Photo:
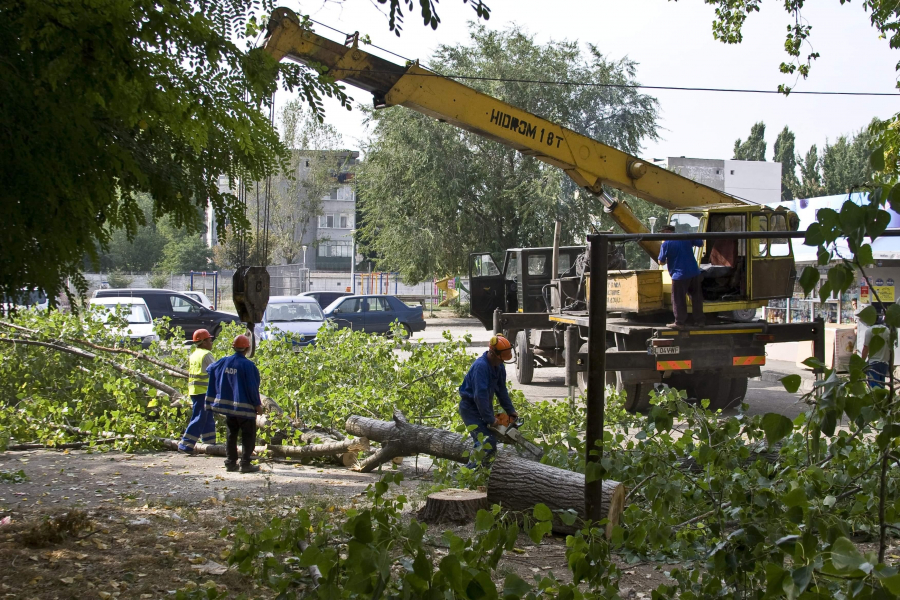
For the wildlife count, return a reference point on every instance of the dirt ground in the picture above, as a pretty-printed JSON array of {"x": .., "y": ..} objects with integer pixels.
[{"x": 155, "y": 521}]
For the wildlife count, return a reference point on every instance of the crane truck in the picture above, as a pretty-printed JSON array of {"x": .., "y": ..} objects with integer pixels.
[{"x": 540, "y": 293}]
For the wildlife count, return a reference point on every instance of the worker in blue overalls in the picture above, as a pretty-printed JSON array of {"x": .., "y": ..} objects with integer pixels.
[
  {"x": 234, "y": 393},
  {"x": 202, "y": 427},
  {"x": 486, "y": 378}
]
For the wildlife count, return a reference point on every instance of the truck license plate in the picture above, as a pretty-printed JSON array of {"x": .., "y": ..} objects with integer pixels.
[{"x": 657, "y": 350}]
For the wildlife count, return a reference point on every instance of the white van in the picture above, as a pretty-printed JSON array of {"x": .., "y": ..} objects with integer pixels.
[{"x": 140, "y": 324}]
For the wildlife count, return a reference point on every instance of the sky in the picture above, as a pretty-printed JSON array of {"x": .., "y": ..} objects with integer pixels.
[{"x": 673, "y": 45}]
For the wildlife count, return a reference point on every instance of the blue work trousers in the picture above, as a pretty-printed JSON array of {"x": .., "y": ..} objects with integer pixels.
[
  {"x": 201, "y": 429},
  {"x": 471, "y": 416},
  {"x": 877, "y": 374}
]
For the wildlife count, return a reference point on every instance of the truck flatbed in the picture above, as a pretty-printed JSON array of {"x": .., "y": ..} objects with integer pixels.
[{"x": 630, "y": 326}]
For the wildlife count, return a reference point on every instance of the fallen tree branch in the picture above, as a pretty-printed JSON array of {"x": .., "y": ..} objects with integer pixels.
[
  {"x": 177, "y": 372},
  {"x": 66, "y": 446},
  {"x": 316, "y": 450},
  {"x": 84, "y": 354}
]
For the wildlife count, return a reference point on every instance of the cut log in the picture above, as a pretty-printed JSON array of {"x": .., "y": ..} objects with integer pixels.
[
  {"x": 402, "y": 438},
  {"x": 348, "y": 459},
  {"x": 315, "y": 450},
  {"x": 519, "y": 484},
  {"x": 453, "y": 506},
  {"x": 515, "y": 483}
]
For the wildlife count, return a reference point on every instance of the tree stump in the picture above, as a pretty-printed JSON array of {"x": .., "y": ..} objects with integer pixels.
[{"x": 453, "y": 506}]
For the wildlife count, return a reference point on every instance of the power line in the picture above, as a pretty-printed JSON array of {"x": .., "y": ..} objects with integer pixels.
[{"x": 605, "y": 85}]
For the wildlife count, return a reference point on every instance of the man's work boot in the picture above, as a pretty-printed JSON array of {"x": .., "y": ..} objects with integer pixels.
[
  {"x": 231, "y": 467},
  {"x": 677, "y": 326},
  {"x": 250, "y": 468}
]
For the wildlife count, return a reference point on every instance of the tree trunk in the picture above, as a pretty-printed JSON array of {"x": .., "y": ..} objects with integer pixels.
[
  {"x": 515, "y": 482},
  {"x": 453, "y": 506},
  {"x": 519, "y": 484},
  {"x": 402, "y": 438},
  {"x": 315, "y": 450}
]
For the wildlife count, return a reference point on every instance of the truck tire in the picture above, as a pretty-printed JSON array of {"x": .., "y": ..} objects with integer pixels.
[
  {"x": 709, "y": 386},
  {"x": 747, "y": 315},
  {"x": 524, "y": 359},
  {"x": 737, "y": 391},
  {"x": 637, "y": 394}
]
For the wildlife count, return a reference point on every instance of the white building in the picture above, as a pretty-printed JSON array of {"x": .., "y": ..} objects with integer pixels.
[{"x": 751, "y": 180}]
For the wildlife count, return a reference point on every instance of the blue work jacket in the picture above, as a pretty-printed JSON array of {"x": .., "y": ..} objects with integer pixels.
[
  {"x": 480, "y": 385},
  {"x": 233, "y": 387},
  {"x": 678, "y": 256}
]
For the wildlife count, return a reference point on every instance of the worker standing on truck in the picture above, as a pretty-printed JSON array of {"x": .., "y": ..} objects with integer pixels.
[
  {"x": 202, "y": 427},
  {"x": 678, "y": 256},
  {"x": 486, "y": 378},
  {"x": 234, "y": 393},
  {"x": 880, "y": 359}
]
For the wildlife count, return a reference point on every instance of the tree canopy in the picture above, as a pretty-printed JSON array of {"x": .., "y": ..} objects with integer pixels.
[
  {"x": 431, "y": 193},
  {"x": 104, "y": 100},
  {"x": 754, "y": 148},
  {"x": 784, "y": 153}
]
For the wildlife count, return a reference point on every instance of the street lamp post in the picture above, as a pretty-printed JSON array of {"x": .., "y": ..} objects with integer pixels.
[
  {"x": 652, "y": 220},
  {"x": 305, "y": 273},
  {"x": 353, "y": 261}
]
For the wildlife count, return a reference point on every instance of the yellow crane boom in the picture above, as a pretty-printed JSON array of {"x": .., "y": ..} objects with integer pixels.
[{"x": 589, "y": 163}]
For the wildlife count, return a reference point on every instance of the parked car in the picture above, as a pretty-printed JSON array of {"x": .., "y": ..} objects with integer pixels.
[
  {"x": 26, "y": 298},
  {"x": 374, "y": 314},
  {"x": 140, "y": 323},
  {"x": 201, "y": 298},
  {"x": 291, "y": 314},
  {"x": 325, "y": 298},
  {"x": 183, "y": 312}
]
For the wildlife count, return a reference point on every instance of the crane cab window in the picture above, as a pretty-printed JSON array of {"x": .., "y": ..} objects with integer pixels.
[
  {"x": 779, "y": 246},
  {"x": 537, "y": 264},
  {"x": 686, "y": 222},
  {"x": 775, "y": 247}
]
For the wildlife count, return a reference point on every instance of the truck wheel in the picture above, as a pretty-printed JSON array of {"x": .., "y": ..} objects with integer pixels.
[
  {"x": 583, "y": 376},
  {"x": 524, "y": 359},
  {"x": 746, "y": 315},
  {"x": 737, "y": 391},
  {"x": 709, "y": 386},
  {"x": 637, "y": 396}
]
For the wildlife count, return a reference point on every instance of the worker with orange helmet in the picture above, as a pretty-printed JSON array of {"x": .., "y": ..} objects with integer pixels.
[
  {"x": 202, "y": 426},
  {"x": 486, "y": 378},
  {"x": 234, "y": 393}
]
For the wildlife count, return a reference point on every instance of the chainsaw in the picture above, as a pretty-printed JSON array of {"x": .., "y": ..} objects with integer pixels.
[{"x": 508, "y": 433}]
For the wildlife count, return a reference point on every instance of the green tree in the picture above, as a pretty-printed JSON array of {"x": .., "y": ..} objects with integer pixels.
[
  {"x": 141, "y": 253},
  {"x": 103, "y": 100},
  {"x": 430, "y": 193},
  {"x": 810, "y": 175},
  {"x": 185, "y": 250},
  {"x": 845, "y": 164},
  {"x": 784, "y": 153},
  {"x": 755, "y": 146}
]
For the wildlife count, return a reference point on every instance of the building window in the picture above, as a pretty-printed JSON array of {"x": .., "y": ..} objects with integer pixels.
[
  {"x": 326, "y": 221},
  {"x": 345, "y": 222},
  {"x": 345, "y": 193},
  {"x": 335, "y": 249},
  {"x": 334, "y": 194}
]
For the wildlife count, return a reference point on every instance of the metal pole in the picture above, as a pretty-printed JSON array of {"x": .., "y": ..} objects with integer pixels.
[
  {"x": 596, "y": 389},
  {"x": 570, "y": 349}
]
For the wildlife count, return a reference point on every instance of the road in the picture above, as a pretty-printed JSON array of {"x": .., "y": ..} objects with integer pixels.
[{"x": 549, "y": 382}]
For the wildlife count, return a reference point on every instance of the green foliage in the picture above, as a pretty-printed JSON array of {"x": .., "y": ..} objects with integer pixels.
[
  {"x": 810, "y": 176},
  {"x": 430, "y": 194},
  {"x": 123, "y": 98},
  {"x": 731, "y": 15},
  {"x": 755, "y": 146},
  {"x": 13, "y": 476},
  {"x": 119, "y": 279},
  {"x": 784, "y": 153}
]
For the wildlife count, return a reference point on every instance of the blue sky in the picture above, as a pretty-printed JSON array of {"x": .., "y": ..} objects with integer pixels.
[{"x": 673, "y": 44}]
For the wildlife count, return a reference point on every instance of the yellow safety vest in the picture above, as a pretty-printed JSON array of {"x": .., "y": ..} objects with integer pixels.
[{"x": 198, "y": 379}]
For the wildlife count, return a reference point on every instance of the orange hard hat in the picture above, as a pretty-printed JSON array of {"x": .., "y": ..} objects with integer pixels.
[
  {"x": 501, "y": 346},
  {"x": 202, "y": 334},
  {"x": 241, "y": 342}
]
